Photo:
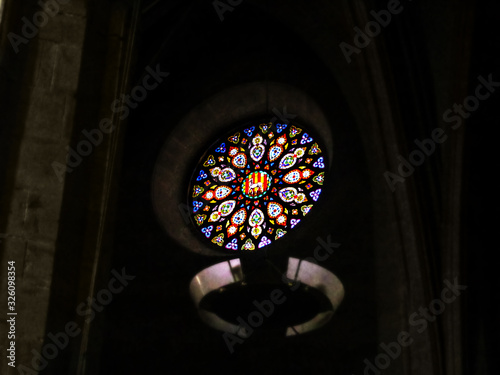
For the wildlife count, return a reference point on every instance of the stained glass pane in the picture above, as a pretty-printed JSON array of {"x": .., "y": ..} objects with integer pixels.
[{"x": 256, "y": 184}]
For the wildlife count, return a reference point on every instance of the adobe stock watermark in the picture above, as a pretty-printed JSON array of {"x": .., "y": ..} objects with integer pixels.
[
  {"x": 427, "y": 146},
  {"x": 419, "y": 319},
  {"x": 120, "y": 106},
  {"x": 29, "y": 30},
  {"x": 266, "y": 308},
  {"x": 60, "y": 340},
  {"x": 222, "y": 7},
  {"x": 284, "y": 117},
  {"x": 373, "y": 28}
]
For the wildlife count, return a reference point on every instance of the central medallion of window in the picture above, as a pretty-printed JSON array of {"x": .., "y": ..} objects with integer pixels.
[{"x": 256, "y": 184}]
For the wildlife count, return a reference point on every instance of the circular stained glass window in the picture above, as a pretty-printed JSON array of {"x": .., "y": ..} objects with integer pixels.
[{"x": 255, "y": 185}]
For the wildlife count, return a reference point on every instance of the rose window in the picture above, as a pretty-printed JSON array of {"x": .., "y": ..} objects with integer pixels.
[{"x": 253, "y": 186}]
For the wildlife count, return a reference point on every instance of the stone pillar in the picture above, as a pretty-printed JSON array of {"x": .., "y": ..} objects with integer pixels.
[{"x": 41, "y": 55}]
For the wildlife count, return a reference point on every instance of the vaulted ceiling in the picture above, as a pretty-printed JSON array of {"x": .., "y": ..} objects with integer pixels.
[{"x": 401, "y": 237}]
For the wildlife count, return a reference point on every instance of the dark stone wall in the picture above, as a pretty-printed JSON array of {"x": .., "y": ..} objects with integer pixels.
[{"x": 68, "y": 231}]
